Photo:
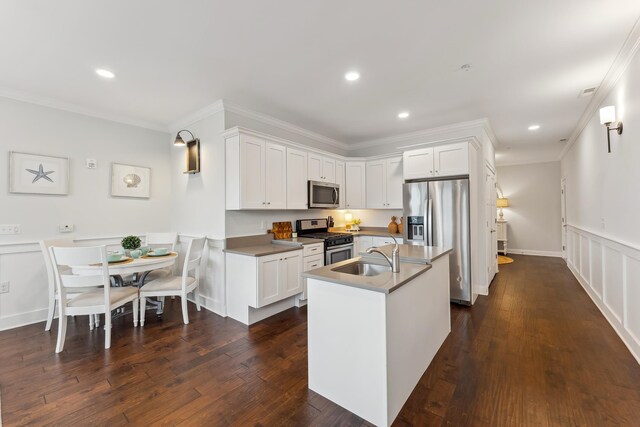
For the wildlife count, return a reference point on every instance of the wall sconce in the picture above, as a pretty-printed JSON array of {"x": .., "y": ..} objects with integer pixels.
[
  {"x": 607, "y": 117},
  {"x": 502, "y": 202},
  {"x": 193, "y": 151}
]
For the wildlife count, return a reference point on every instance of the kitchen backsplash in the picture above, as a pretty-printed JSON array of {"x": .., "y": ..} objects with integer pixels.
[{"x": 247, "y": 223}]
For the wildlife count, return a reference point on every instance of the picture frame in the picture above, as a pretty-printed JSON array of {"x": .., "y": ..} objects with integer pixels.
[
  {"x": 38, "y": 174},
  {"x": 130, "y": 181}
]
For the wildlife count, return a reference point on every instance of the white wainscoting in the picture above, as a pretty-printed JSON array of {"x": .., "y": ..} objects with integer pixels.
[
  {"x": 22, "y": 265},
  {"x": 609, "y": 271}
]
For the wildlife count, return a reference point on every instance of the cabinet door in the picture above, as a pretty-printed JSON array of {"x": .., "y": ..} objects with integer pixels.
[
  {"x": 329, "y": 170},
  {"x": 376, "y": 183},
  {"x": 451, "y": 159},
  {"x": 276, "y": 176},
  {"x": 252, "y": 173},
  {"x": 355, "y": 185},
  {"x": 290, "y": 269},
  {"x": 363, "y": 243},
  {"x": 418, "y": 163},
  {"x": 394, "y": 183},
  {"x": 340, "y": 180},
  {"x": 314, "y": 168},
  {"x": 268, "y": 280},
  {"x": 296, "y": 179}
]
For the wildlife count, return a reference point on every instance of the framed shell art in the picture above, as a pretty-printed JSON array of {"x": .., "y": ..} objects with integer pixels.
[
  {"x": 130, "y": 181},
  {"x": 38, "y": 174}
]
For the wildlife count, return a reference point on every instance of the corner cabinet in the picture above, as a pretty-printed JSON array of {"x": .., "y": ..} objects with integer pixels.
[
  {"x": 384, "y": 183},
  {"x": 438, "y": 161},
  {"x": 255, "y": 284},
  {"x": 256, "y": 173}
]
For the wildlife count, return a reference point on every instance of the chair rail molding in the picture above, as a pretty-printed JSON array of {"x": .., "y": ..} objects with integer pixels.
[{"x": 609, "y": 271}]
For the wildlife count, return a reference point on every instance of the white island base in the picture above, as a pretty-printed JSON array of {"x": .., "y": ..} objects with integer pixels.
[{"x": 368, "y": 349}]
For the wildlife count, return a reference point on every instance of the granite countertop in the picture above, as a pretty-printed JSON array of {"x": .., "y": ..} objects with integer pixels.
[
  {"x": 297, "y": 241},
  {"x": 386, "y": 282},
  {"x": 412, "y": 253},
  {"x": 262, "y": 250}
]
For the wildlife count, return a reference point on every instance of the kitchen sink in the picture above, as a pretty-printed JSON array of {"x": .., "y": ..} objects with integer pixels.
[{"x": 362, "y": 269}]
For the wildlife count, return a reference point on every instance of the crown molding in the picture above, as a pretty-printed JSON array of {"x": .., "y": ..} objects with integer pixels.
[
  {"x": 617, "y": 69},
  {"x": 196, "y": 116},
  {"x": 281, "y": 124},
  {"x": 73, "y": 108},
  {"x": 462, "y": 126}
]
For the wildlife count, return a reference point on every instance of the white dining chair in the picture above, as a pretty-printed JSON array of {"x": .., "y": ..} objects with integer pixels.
[
  {"x": 178, "y": 285},
  {"x": 157, "y": 240},
  {"x": 53, "y": 293},
  {"x": 102, "y": 299}
]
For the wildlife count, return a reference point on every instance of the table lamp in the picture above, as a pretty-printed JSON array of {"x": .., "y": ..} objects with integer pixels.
[{"x": 502, "y": 202}]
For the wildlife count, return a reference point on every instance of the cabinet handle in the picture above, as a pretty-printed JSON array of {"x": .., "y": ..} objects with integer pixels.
[
  {"x": 268, "y": 203},
  {"x": 436, "y": 171},
  {"x": 263, "y": 203}
]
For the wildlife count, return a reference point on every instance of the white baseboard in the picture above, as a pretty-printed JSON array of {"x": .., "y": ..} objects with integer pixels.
[
  {"x": 210, "y": 304},
  {"x": 534, "y": 253},
  {"x": 23, "y": 319}
]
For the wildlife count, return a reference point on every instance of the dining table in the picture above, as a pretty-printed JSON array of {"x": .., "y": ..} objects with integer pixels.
[{"x": 138, "y": 268}]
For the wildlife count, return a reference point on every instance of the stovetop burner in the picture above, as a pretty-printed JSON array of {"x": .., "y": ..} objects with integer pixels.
[{"x": 327, "y": 235}]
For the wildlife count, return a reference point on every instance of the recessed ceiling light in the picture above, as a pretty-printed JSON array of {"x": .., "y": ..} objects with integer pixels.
[
  {"x": 403, "y": 115},
  {"x": 352, "y": 76},
  {"x": 534, "y": 127},
  {"x": 105, "y": 73}
]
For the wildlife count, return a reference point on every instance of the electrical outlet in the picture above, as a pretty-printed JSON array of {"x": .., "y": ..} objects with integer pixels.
[
  {"x": 10, "y": 229},
  {"x": 65, "y": 228},
  {"x": 263, "y": 224},
  {"x": 4, "y": 288},
  {"x": 91, "y": 163}
]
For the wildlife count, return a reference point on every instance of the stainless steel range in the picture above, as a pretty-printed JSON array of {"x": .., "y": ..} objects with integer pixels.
[{"x": 337, "y": 246}]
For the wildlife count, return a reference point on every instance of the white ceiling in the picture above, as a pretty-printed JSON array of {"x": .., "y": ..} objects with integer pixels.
[{"x": 530, "y": 60}]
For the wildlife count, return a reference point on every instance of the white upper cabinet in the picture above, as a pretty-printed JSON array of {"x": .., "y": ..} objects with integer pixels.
[
  {"x": 394, "y": 183},
  {"x": 256, "y": 176},
  {"x": 252, "y": 163},
  {"x": 340, "y": 180},
  {"x": 451, "y": 159},
  {"x": 384, "y": 183},
  {"x": 418, "y": 164},
  {"x": 376, "y": 184},
  {"x": 443, "y": 160},
  {"x": 321, "y": 168},
  {"x": 355, "y": 185},
  {"x": 296, "y": 179},
  {"x": 329, "y": 170},
  {"x": 276, "y": 176}
]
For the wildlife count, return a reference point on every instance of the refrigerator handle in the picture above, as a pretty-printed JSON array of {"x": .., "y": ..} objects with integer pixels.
[{"x": 429, "y": 230}]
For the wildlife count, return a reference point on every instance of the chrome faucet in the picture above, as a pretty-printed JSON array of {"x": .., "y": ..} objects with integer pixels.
[{"x": 394, "y": 261}]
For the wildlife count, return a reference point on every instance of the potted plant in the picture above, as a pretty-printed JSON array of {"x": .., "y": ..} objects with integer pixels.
[{"x": 130, "y": 243}]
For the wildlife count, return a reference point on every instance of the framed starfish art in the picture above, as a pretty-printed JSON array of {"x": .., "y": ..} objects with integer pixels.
[{"x": 37, "y": 174}]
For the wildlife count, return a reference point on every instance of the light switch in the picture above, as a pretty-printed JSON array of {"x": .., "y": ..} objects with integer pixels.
[
  {"x": 65, "y": 228},
  {"x": 10, "y": 229},
  {"x": 4, "y": 288},
  {"x": 91, "y": 163}
]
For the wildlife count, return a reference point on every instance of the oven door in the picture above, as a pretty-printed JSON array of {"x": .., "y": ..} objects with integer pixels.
[
  {"x": 338, "y": 253},
  {"x": 323, "y": 195}
]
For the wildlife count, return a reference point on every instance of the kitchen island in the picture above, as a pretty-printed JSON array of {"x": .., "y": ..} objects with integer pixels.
[{"x": 372, "y": 333}]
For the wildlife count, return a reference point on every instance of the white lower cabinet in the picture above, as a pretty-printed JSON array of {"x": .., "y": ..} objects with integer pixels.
[
  {"x": 278, "y": 277},
  {"x": 363, "y": 243},
  {"x": 256, "y": 285},
  {"x": 313, "y": 258}
]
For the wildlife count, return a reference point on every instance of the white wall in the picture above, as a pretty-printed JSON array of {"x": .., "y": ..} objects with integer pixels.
[
  {"x": 534, "y": 218},
  {"x": 35, "y": 129},
  {"x": 603, "y": 206},
  {"x": 198, "y": 205}
]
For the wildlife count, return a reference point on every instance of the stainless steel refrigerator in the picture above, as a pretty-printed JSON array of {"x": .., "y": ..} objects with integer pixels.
[{"x": 436, "y": 213}]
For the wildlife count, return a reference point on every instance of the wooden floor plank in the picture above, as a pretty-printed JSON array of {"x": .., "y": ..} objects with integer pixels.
[{"x": 536, "y": 352}]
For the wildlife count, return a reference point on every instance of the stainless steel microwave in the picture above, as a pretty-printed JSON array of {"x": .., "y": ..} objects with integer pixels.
[{"x": 324, "y": 195}]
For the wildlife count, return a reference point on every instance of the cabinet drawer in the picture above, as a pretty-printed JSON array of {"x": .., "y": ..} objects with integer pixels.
[
  {"x": 381, "y": 241},
  {"x": 314, "y": 249},
  {"x": 312, "y": 262}
]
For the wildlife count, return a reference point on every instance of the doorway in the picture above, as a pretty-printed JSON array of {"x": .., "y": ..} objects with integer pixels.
[{"x": 563, "y": 213}]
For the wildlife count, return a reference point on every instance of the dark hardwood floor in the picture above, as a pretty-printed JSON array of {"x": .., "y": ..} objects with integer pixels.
[{"x": 537, "y": 352}]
